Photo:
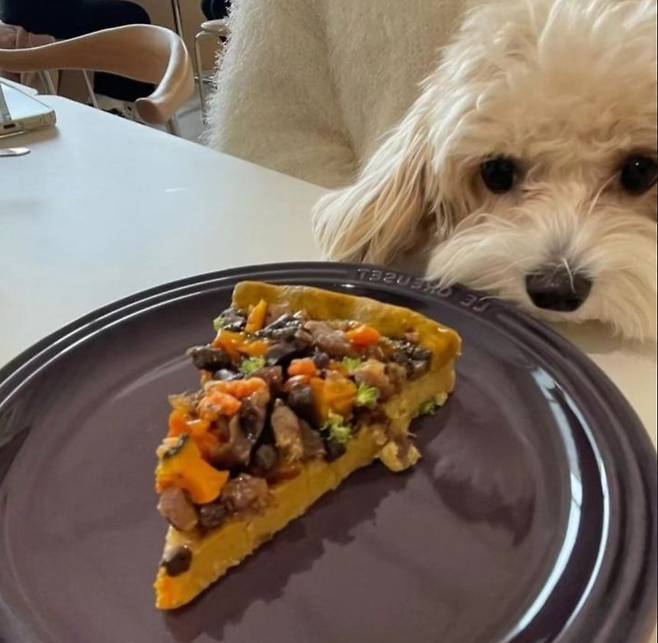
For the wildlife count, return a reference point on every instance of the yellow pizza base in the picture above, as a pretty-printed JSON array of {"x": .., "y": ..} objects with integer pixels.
[
  {"x": 219, "y": 550},
  {"x": 225, "y": 547}
]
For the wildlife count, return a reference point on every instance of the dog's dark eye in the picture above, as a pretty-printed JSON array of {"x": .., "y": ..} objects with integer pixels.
[
  {"x": 638, "y": 174},
  {"x": 499, "y": 174}
]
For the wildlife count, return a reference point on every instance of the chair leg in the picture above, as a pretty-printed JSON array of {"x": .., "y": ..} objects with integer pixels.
[
  {"x": 90, "y": 89},
  {"x": 48, "y": 82},
  {"x": 178, "y": 19},
  {"x": 172, "y": 126},
  {"x": 198, "y": 64}
]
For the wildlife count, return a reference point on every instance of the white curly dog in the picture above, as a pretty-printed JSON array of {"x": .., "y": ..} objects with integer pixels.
[{"x": 526, "y": 167}]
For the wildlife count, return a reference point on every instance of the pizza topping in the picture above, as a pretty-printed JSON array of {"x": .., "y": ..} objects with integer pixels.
[
  {"x": 183, "y": 466},
  {"x": 212, "y": 515},
  {"x": 331, "y": 341},
  {"x": 337, "y": 429},
  {"x": 364, "y": 336},
  {"x": 304, "y": 366},
  {"x": 234, "y": 449},
  {"x": 301, "y": 400},
  {"x": 256, "y": 318},
  {"x": 287, "y": 433},
  {"x": 367, "y": 396},
  {"x": 373, "y": 375},
  {"x": 265, "y": 457},
  {"x": 176, "y": 508},
  {"x": 177, "y": 561},
  {"x": 253, "y": 415},
  {"x": 251, "y": 365},
  {"x": 312, "y": 442},
  {"x": 279, "y": 389},
  {"x": 208, "y": 358},
  {"x": 431, "y": 406},
  {"x": 230, "y": 319},
  {"x": 246, "y": 493}
]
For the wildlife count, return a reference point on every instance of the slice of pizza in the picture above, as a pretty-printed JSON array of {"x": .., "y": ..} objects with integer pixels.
[{"x": 299, "y": 388}]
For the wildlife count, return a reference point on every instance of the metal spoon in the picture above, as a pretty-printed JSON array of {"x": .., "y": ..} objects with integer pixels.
[{"x": 14, "y": 151}]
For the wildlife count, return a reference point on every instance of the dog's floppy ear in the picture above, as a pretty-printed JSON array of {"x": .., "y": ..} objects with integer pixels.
[{"x": 382, "y": 214}]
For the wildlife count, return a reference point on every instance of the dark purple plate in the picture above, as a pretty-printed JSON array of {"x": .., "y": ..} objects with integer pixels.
[{"x": 532, "y": 516}]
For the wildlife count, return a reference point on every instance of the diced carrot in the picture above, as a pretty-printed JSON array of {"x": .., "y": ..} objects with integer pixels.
[
  {"x": 338, "y": 367},
  {"x": 363, "y": 336},
  {"x": 180, "y": 424},
  {"x": 187, "y": 470},
  {"x": 204, "y": 439},
  {"x": 236, "y": 344},
  {"x": 238, "y": 388},
  {"x": 177, "y": 423},
  {"x": 336, "y": 394},
  {"x": 303, "y": 367},
  {"x": 230, "y": 342},
  {"x": 257, "y": 348},
  {"x": 217, "y": 403},
  {"x": 256, "y": 318}
]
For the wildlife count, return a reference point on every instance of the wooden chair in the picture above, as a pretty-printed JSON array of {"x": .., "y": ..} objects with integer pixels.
[{"x": 142, "y": 52}]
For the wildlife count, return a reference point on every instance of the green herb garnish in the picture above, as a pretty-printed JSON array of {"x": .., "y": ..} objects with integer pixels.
[
  {"x": 432, "y": 406},
  {"x": 220, "y": 323},
  {"x": 352, "y": 364},
  {"x": 339, "y": 430},
  {"x": 367, "y": 396},
  {"x": 251, "y": 365}
]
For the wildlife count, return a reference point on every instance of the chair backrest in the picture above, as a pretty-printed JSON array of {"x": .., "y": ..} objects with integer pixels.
[{"x": 142, "y": 52}]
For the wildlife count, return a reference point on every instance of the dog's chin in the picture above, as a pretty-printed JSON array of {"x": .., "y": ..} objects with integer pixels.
[
  {"x": 625, "y": 321},
  {"x": 496, "y": 259},
  {"x": 624, "y": 316}
]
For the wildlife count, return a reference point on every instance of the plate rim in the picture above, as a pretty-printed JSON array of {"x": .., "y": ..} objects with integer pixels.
[{"x": 626, "y": 426}]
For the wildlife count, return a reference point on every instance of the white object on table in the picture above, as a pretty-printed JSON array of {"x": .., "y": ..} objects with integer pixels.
[
  {"x": 104, "y": 208},
  {"x": 23, "y": 88}
]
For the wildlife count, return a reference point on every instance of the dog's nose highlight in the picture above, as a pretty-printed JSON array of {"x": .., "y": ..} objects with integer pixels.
[{"x": 555, "y": 288}]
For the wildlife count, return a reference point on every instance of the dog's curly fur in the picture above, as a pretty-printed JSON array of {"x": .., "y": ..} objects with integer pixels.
[{"x": 569, "y": 90}]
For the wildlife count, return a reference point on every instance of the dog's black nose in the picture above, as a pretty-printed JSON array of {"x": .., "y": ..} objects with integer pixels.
[{"x": 555, "y": 288}]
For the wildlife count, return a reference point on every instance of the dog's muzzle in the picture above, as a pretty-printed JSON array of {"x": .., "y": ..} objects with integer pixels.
[{"x": 555, "y": 288}]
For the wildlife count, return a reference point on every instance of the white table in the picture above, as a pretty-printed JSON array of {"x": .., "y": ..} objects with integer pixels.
[{"x": 103, "y": 208}]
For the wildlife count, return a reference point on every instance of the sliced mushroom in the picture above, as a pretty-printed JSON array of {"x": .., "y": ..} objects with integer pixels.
[
  {"x": 253, "y": 415},
  {"x": 232, "y": 320},
  {"x": 296, "y": 346},
  {"x": 300, "y": 400},
  {"x": 212, "y": 515},
  {"x": 176, "y": 507},
  {"x": 276, "y": 314},
  {"x": 273, "y": 377},
  {"x": 287, "y": 432},
  {"x": 265, "y": 457},
  {"x": 207, "y": 358},
  {"x": 236, "y": 451},
  {"x": 312, "y": 441},
  {"x": 245, "y": 493},
  {"x": 328, "y": 340}
]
